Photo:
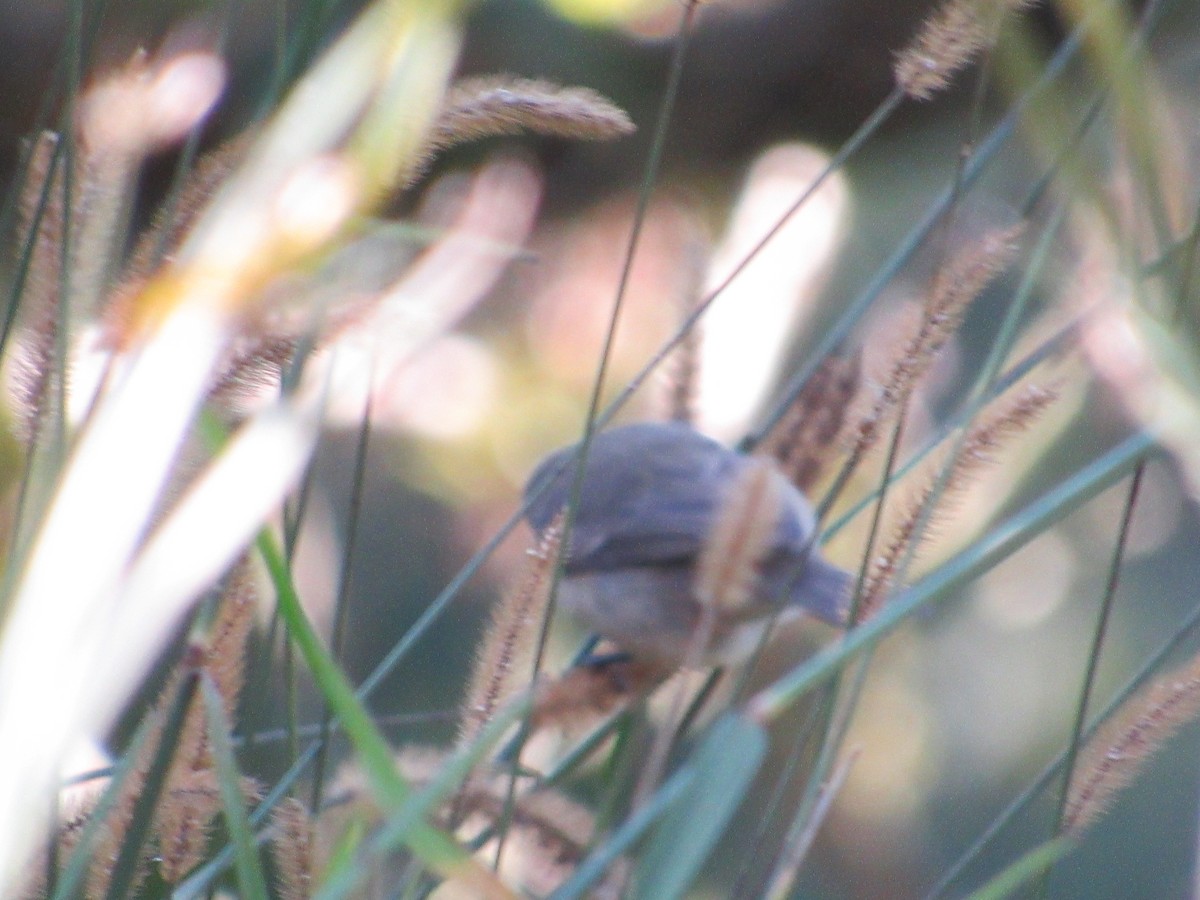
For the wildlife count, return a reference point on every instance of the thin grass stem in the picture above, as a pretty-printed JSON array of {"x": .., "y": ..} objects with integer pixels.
[
  {"x": 1088, "y": 686},
  {"x": 345, "y": 574}
]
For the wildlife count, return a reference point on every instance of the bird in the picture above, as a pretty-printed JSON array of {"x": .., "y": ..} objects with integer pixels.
[{"x": 648, "y": 500}]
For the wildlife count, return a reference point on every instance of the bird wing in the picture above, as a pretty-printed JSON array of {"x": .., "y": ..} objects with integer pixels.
[{"x": 648, "y": 495}]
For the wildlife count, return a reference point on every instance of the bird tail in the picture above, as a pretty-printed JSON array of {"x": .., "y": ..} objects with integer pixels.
[{"x": 823, "y": 590}]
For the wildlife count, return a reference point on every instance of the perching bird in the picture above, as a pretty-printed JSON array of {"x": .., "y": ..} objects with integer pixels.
[{"x": 648, "y": 501}]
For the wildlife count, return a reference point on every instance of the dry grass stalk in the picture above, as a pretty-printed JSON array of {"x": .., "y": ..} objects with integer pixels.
[
  {"x": 292, "y": 849},
  {"x": 1114, "y": 755},
  {"x": 682, "y": 375},
  {"x": 191, "y": 800},
  {"x": 954, "y": 287},
  {"x": 802, "y": 439},
  {"x": 585, "y": 693},
  {"x": 724, "y": 583},
  {"x": 979, "y": 449},
  {"x": 253, "y": 363},
  {"x": 41, "y": 229},
  {"x": 551, "y": 814},
  {"x": 122, "y": 118},
  {"x": 548, "y": 834},
  {"x": 70, "y": 830},
  {"x": 502, "y": 657},
  {"x": 225, "y": 655},
  {"x": 741, "y": 535},
  {"x": 222, "y": 656},
  {"x": 947, "y": 42},
  {"x": 171, "y": 225},
  {"x": 144, "y": 106},
  {"x": 257, "y": 357},
  {"x": 484, "y": 107},
  {"x": 140, "y": 108},
  {"x": 185, "y": 821},
  {"x": 40, "y": 207},
  {"x": 113, "y": 832},
  {"x": 180, "y": 842},
  {"x": 118, "y": 127},
  {"x": 492, "y": 106},
  {"x": 186, "y": 813}
]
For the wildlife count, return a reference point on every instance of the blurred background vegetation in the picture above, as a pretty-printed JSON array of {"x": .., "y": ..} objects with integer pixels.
[{"x": 964, "y": 706}]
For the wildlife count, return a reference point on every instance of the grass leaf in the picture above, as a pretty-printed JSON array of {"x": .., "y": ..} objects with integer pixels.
[
  {"x": 251, "y": 880},
  {"x": 725, "y": 764}
]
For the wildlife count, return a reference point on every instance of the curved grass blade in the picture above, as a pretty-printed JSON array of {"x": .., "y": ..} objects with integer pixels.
[
  {"x": 435, "y": 848},
  {"x": 345, "y": 877},
  {"x": 724, "y": 767},
  {"x": 1034, "y": 863}
]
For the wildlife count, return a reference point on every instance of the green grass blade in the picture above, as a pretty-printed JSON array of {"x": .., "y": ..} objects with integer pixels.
[
  {"x": 251, "y": 881},
  {"x": 1024, "y": 870},
  {"x": 725, "y": 765},
  {"x": 593, "y": 868},
  {"x": 346, "y": 875},
  {"x": 434, "y": 847}
]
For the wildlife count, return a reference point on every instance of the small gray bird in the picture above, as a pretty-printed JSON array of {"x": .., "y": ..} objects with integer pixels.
[{"x": 648, "y": 500}]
